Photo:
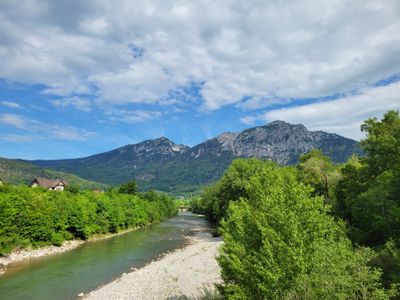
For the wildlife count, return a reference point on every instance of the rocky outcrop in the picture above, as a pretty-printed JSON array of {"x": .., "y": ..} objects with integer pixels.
[
  {"x": 157, "y": 149},
  {"x": 279, "y": 141},
  {"x": 214, "y": 147}
]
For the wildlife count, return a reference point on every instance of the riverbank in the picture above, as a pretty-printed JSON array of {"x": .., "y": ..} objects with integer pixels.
[
  {"x": 26, "y": 254},
  {"x": 182, "y": 274}
]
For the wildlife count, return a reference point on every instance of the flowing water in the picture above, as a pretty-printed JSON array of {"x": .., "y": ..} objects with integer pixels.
[{"x": 83, "y": 269}]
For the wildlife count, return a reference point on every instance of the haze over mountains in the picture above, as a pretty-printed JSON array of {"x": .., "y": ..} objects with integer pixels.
[{"x": 161, "y": 164}]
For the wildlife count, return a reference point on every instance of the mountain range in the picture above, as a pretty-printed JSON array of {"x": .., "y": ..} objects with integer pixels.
[{"x": 163, "y": 165}]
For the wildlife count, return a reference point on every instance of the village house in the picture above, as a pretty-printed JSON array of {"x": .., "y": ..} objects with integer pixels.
[{"x": 51, "y": 184}]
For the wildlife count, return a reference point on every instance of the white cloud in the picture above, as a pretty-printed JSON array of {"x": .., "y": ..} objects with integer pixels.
[
  {"x": 257, "y": 103},
  {"x": 267, "y": 50},
  {"x": 69, "y": 133},
  {"x": 77, "y": 102},
  {"x": 49, "y": 131},
  {"x": 14, "y": 120},
  {"x": 10, "y": 104},
  {"x": 250, "y": 120},
  {"x": 131, "y": 116},
  {"x": 342, "y": 116},
  {"x": 16, "y": 138}
]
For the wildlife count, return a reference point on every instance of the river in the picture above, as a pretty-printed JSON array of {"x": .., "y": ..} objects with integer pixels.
[{"x": 93, "y": 264}]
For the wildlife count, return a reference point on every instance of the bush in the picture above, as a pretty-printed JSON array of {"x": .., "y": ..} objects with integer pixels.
[{"x": 57, "y": 239}]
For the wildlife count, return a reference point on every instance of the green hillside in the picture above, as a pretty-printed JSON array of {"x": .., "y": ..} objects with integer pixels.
[{"x": 20, "y": 172}]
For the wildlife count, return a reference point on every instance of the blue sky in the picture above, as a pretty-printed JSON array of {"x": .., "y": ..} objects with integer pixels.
[{"x": 83, "y": 77}]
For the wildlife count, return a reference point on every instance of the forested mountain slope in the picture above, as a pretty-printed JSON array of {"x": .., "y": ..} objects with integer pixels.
[
  {"x": 161, "y": 164},
  {"x": 20, "y": 172}
]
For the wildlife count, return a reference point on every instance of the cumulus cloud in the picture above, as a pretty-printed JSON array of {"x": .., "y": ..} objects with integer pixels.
[
  {"x": 49, "y": 131},
  {"x": 343, "y": 116},
  {"x": 138, "y": 52}
]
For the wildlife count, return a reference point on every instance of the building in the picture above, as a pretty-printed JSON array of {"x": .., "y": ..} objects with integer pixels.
[
  {"x": 1, "y": 182},
  {"x": 51, "y": 184}
]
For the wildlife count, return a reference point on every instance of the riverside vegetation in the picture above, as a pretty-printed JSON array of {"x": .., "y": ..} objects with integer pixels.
[
  {"x": 35, "y": 217},
  {"x": 314, "y": 231}
]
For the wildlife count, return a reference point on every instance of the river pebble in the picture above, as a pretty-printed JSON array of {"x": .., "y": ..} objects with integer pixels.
[{"x": 184, "y": 273}]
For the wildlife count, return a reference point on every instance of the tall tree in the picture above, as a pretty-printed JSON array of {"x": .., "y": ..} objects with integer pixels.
[
  {"x": 129, "y": 187},
  {"x": 316, "y": 170},
  {"x": 281, "y": 243},
  {"x": 368, "y": 196},
  {"x": 382, "y": 144}
]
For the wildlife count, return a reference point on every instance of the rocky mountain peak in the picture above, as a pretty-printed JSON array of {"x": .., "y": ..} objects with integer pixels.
[
  {"x": 278, "y": 123},
  {"x": 226, "y": 139},
  {"x": 284, "y": 142},
  {"x": 282, "y": 125},
  {"x": 160, "y": 146}
]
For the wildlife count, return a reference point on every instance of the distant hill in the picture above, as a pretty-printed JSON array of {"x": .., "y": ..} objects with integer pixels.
[
  {"x": 20, "y": 172},
  {"x": 161, "y": 164},
  {"x": 139, "y": 161}
]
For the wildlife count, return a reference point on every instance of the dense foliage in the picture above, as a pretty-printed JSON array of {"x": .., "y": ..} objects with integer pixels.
[
  {"x": 317, "y": 170},
  {"x": 128, "y": 188},
  {"x": 281, "y": 242},
  {"x": 368, "y": 195},
  {"x": 283, "y": 227},
  {"x": 36, "y": 217}
]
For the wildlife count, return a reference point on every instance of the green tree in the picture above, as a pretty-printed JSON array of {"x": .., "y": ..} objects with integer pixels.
[
  {"x": 316, "y": 170},
  {"x": 197, "y": 206},
  {"x": 72, "y": 188},
  {"x": 128, "y": 188},
  {"x": 38, "y": 217},
  {"x": 368, "y": 196},
  {"x": 382, "y": 144},
  {"x": 281, "y": 243},
  {"x": 232, "y": 186}
]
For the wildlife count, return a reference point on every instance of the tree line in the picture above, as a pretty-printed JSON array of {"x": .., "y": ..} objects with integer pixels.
[
  {"x": 313, "y": 231},
  {"x": 35, "y": 217}
]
